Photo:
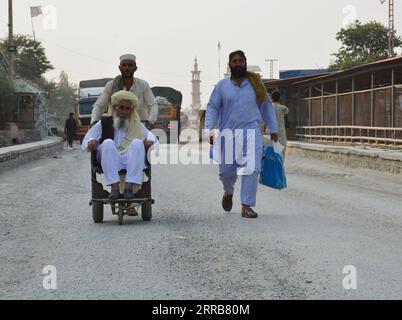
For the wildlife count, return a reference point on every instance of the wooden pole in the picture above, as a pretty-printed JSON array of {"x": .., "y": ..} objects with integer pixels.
[
  {"x": 372, "y": 101},
  {"x": 309, "y": 107},
  {"x": 336, "y": 103},
  {"x": 393, "y": 98},
  {"x": 322, "y": 103},
  {"x": 353, "y": 102}
]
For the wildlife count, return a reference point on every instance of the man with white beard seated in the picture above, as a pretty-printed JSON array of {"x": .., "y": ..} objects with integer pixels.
[{"x": 121, "y": 141}]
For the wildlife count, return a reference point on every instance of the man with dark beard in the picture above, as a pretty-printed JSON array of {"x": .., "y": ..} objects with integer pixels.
[
  {"x": 121, "y": 141},
  {"x": 239, "y": 103},
  {"x": 147, "y": 105}
]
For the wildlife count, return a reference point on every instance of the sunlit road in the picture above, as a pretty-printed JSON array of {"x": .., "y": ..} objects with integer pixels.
[{"x": 329, "y": 218}]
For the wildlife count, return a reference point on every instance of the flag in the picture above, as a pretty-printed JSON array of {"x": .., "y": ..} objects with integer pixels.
[
  {"x": 36, "y": 11},
  {"x": 219, "y": 45}
]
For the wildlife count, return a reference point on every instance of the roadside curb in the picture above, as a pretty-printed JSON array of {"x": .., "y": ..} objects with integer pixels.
[
  {"x": 13, "y": 156},
  {"x": 355, "y": 157}
]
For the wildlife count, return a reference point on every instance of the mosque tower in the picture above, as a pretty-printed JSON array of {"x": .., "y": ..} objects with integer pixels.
[{"x": 196, "y": 93}]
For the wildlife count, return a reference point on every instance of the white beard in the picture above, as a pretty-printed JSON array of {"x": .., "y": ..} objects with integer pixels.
[{"x": 120, "y": 123}]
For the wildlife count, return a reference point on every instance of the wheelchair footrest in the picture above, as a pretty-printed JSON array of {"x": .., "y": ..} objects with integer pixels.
[{"x": 123, "y": 201}]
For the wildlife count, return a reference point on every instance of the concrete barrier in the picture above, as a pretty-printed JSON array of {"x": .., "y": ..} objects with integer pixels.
[
  {"x": 354, "y": 157},
  {"x": 13, "y": 156}
]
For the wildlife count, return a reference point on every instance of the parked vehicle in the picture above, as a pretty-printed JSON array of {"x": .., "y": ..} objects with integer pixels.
[
  {"x": 89, "y": 92},
  {"x": 169, "y": 102}
]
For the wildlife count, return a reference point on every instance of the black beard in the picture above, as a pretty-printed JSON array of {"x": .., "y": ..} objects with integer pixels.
[
  {"x": 239, "y": 72},
  {"x": 128, "y": 75}
]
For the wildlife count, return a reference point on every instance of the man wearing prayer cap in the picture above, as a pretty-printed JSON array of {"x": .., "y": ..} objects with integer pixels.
[
  {"x": 147, "y": 105},
  {"x": 120, "y": 142},
  {"x": 128, "y": 57},
  {"x": 238, "y": 105}
]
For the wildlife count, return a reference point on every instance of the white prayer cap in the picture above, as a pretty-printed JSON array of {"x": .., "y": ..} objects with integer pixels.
[{"x": 129, "y": 57}]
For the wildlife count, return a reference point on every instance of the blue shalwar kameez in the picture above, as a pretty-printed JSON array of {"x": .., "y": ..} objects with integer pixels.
[{"x": 236, "y": 111}]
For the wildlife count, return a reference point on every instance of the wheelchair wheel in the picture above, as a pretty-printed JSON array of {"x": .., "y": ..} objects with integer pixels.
[
  {"x": 146, "y": 211},
  {"x": 97, "y": 212},
  {"x": 120, "y": 214}
]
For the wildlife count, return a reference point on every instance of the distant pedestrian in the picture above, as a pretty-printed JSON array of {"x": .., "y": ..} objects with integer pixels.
[
  {"x": 281, "y": 112},
  {"x": 70, "y": 129}
]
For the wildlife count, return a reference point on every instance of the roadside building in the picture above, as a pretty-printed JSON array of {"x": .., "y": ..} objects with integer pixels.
[{"x": 359, "y": 105}]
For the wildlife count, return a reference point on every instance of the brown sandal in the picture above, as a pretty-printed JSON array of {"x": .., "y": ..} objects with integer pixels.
[
  {"x": 249, "y": 213},
  {"x": 227, "y": 202}
]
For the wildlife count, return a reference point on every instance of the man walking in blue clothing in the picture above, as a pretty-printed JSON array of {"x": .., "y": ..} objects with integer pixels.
[{"x": 238, "y": 104}]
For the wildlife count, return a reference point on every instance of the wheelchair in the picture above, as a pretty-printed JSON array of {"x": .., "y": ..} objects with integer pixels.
[{"x": 120, "y": 207}]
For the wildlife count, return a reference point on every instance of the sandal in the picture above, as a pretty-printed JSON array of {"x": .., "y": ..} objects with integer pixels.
[
  {"x": 249, "y": 213},
  {"x": 114, "y": 195},
  {"x": 227, "y": 202},
  {"x": 128, "y": 194}
]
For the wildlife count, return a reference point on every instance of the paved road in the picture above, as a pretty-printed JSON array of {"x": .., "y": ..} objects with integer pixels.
[{"x": 330, "y": 217}]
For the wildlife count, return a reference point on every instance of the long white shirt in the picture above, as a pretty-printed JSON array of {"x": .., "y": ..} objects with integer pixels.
[
  {"x": 281, "y": 111},
  {"x": 147, "y": 105},
  {"x": 95, "y": 133},
  {"x": 133, "y": 160}
]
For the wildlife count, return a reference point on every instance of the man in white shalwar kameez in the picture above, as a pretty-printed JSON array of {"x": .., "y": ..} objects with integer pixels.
[
  {"x": 281, "y": 112},
  {"x": 121, "y": 142},
  {"x": 147, "y": 106}
]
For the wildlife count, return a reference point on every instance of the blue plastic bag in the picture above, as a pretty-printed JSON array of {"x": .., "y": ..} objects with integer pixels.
[{"x": 272, "y": 169}]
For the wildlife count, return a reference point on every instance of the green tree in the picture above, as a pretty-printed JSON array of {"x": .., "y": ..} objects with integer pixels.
[
  {"x": 362, "y": 43},
  {"x": 62, "y": 95},
  {"x": 31, "y": 61}
]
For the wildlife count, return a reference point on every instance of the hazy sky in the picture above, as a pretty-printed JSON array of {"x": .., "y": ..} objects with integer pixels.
[{"x": 88, "y": 36}]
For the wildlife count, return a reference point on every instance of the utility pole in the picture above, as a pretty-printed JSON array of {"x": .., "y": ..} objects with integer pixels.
[
  {"x": 391, "y": 43},
  {"x": 391, "y": 27},
  {"x": 11, "y": 47},
  {"x": 271, "y": 72}
]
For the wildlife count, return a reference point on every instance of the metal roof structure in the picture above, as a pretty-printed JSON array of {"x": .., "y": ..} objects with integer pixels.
[
  {"x": 25, "y": 86},
  {"x": 378, "y": 65}
]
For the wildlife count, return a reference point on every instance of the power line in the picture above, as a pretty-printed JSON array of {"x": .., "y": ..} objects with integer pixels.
[{"x": 101, "y": 60}]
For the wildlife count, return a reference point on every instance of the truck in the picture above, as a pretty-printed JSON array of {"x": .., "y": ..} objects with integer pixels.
[
  {"x": 88, "y": 92},
  {"x": 169, "y": 102}
]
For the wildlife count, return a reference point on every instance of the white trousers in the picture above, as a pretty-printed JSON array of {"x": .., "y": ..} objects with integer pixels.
[{"x": 133, "y": 161}]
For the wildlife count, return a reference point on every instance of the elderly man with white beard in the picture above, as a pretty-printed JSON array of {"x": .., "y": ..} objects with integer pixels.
[{"x": 121, "y": 141}]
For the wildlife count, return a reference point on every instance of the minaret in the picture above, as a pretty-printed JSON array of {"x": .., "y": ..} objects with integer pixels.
[{"x": 196, "y": 82}]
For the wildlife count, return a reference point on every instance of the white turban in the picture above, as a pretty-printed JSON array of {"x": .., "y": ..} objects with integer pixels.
[
  {"x": 124, "y": 95},
  {"x": 135, "y": 130},
  {"x": 129, "y": 57}
]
